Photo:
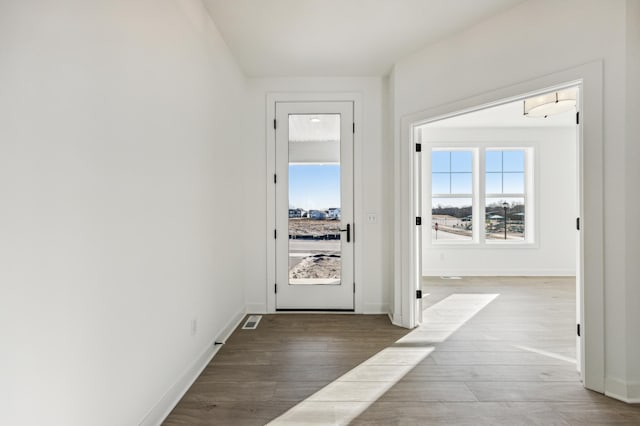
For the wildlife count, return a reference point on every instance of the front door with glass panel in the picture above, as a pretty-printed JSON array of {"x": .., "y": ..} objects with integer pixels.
[{"x": 314, "y": 206}]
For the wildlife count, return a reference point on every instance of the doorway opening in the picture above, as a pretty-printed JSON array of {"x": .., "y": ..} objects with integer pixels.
[{"x": 499, "y": 194}]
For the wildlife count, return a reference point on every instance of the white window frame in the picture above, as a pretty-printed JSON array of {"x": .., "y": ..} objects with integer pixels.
[
  {"x": 479, "y": 196},
  {"x": 474, "y": 192},
  {"x": 529, "y": 188}
]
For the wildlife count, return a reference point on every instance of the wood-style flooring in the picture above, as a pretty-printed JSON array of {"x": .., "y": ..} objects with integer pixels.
[{"x": 510, "y": 361}]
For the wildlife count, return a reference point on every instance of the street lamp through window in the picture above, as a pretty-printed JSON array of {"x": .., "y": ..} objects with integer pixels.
[{"x": 505, "y": 206}]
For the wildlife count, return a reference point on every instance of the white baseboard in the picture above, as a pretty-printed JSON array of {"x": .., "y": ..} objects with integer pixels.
[
  {"x": 369, "y": 308},
  {"x": 396, "y": 320},
  {"x": 499, "y": 273},
  {"x": 173, "y": 395},
  {"x": 390, "y": 315},
  {"x": 634, "y": 393},
  {"x": 231, "y": 325},
  {"x": 628, "y": 392},
  {"x": 375, "y": 308}
]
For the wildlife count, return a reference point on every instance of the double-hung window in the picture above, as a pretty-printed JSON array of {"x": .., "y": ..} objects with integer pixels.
[
  {"x": 452, "y": 194},
  {"x": 505, "y": 195},
  {"x": 480, "y": 194}
]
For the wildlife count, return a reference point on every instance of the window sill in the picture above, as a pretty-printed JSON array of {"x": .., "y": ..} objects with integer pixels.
[{"x": 519, "y": 245}]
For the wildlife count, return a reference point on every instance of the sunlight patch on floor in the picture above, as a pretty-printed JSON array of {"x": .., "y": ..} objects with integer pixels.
[
  {"x": 547, "y": 354},
  {"x": 343, "y": 400}
]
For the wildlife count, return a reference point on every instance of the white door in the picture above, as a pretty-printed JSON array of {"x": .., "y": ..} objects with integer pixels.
[{"x": 314, "y": 206}]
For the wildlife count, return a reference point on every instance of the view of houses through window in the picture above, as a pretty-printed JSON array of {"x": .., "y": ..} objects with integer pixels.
[
  {"x": 501, "y": 194},
  {"x": 452, "y": 194},
  {"x": 314, "y": 199}
]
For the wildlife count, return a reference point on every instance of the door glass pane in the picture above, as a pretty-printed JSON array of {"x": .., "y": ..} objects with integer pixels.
[{"x": 314, "y": 199}]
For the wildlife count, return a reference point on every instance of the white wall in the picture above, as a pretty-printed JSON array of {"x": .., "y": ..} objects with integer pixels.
[
  {"x": 119, "y": 146},
  {"x": 370, "y": 264},
  {"x": 555, "y": 197},
  {"x": 527, "y": 42}
]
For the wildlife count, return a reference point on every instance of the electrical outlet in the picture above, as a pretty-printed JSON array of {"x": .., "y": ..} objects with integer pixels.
[
  {"x": 372, "y": 218},
  {"x": 194, "y": 326}
]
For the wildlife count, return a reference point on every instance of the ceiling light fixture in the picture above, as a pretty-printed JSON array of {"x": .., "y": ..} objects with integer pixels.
[
  {"x": 314, "y": 120},
  {"x": 550, "y": 103}
]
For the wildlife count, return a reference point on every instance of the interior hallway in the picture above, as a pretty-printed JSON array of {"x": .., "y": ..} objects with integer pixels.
[{"x": 513, "y": 362}]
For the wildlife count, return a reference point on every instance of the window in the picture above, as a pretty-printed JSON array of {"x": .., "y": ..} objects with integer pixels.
[
  {"x": 467, "y": 209},
  {"x": 452, "y": 195},
  {"x": 504, "y": 194}
]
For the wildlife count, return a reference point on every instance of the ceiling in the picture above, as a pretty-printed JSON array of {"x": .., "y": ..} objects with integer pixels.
[
  {"x": 506, "y": 115},
  {"x": 278, "y": 38}
]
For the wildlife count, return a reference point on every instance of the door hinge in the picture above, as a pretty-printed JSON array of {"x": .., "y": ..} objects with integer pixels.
[
  {"x": 354, "y": 288},
  {"x": 275, "y": 178},
  {"x": 275, "y": 288},
  {"x": 578, "y": 330},
  {"x": 418, "y": 147},
  {"x": 418, "y": 294},
  {"x": 578, "y": 223},
  {"x": 274, "y": 123},
  {"x": 354, "y": 127},
  {"x": 418, "y": 221},
  {"x": 275, "y": 234},
  {"x": 577, "y": 117}
]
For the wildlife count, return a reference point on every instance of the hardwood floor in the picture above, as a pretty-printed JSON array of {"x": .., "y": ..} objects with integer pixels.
[{"x": 505, "y": 359}]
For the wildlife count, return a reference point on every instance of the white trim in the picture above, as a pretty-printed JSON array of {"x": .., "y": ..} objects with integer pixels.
[
  {"x": 232, "y": 324},
  {"x": 634, "y": 392},
  {"x": 358, "y": 212},
  {"x": 405, "y": 283},
  {"x": 393, "y": 321},
  {"x": 488, "y": 244},
  {"x": 591, "y": 191},
  {"x": 503, "y": 272},
  {"x": 174, "y": 394},
  {"x": 376, "y": 309},
  {"x": 628, "y": 392}
]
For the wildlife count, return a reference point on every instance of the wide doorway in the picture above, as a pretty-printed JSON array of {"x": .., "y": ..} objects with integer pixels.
[
  {"x": 501, "y": 198},
  {"x": 314, "y": 233}
]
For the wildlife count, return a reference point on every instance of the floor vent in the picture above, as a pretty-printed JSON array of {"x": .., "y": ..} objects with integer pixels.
[
  {"x": 451, "y": 278},
  {"x": 252, "y": 322}
]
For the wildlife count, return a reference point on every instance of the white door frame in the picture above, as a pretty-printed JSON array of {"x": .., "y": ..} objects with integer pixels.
[
  {"x": 591, "y": 273},
  {"x": 270, "y": 170}
]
